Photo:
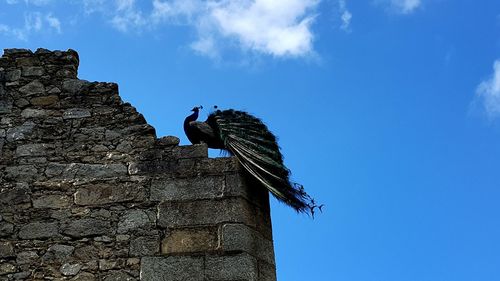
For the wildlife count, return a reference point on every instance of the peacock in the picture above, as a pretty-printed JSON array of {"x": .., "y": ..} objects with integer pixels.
[{"x": 256, "y": 148}]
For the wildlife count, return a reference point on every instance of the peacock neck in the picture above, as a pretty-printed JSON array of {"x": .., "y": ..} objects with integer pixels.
[{"x": 190, "y": 118}]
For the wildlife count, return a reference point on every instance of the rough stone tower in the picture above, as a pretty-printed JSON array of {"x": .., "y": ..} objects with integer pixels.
[{"x": 88, "y": 192}]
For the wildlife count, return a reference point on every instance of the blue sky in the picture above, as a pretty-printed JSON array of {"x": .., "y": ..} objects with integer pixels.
[{"x": 388, "y": 111}]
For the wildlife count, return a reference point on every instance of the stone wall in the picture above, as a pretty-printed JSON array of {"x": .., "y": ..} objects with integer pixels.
[{"x": 88, "y": 192}]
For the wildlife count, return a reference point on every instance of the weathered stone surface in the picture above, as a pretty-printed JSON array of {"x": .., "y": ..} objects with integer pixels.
[
  {"x": 144, "y": 246},
  {"x": 168, "y": 141},
  {"x": 178, "y": 214},
  {"x": 267, "y": 272},
  {"x": 23, "y": 172},
  {"x": 133, "y": 220},
  {"x": 105, "y": 194},
  {"x": 58, "y": 252},
  {"x": 13, "y": 75},
  {"x": 5, "y": 106},
  {"x": 33, "y": 88},
  {"x": 74, "y": 85},
  {"x": 34, "y": 113},
  {"x": 199, "y": 239},
  {"x": 229, "y": 268},
  {"x": 6, "y": 268},
  {"x": 118, "y": 276},
  {"x": 239, "y": 237},
  {"x": 84, "y": 276},
  {"x": 14, "y": 196},
  {"x": 6, "y": 229},
  {"x": 172, "y": 268},
  {"x": 76, "y": 113},
  {"x": 32, "y": 71},
  {"x": 39, "y": 230},
  {"x": 6, "y": 250},
  {"x": 26, "y": 257},
  {"x": 45, "y": 101},
  {"x": 20, "y": 132},
  {"x": 87, "y": 227},
  {"x": 35, "y": 149},
  {"x": 52, "y": 201},
  {"x": 81, "y": 171},
  {"x": 68, "y": 269},
  {"x": 184, "y": 189}
]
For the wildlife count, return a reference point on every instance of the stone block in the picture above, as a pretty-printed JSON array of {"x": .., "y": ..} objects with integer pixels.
[
  {"x": 267, "y": 272},
  {"x": 187, "y": 189},
  {"x": 76, "y": 113},
  {"x": 235, "y": 267},
  {"x": 239, "y": 237},
  {"x": 12, "y": 75},
  {"x": 119, "y": 276},
  {"x": 6, "y": 229},
  {"x": 168, "y": 141},
  {"x": 16, "y": 195},
  {"x": 58, "y": 253},
  {"x": 35, "y": 113},
  {"x": 87, "y": 227},
  {"x": 97, "y": 195},
  {"x": 144, "y": 246},
  {"x": 32, "y": 71},
  {"x": 84, "y": 276},
  {"x": 33, "y": 88},
  {"x": 73, "y": 86},
  {"x": 34, "y": 149},
  {"x": 26, "y": 257},
  {"x": 81, "y": 171},
  {"x": 203, "y": 212},
  {"x": 51, "y": 100},
  {"x": 69, "y": 269},
  {"x": 23, "y": 172},
  {"x": 190, "y": 151},
  {"x": 51, "y": 202},
  {"x": 189, "y": 240},
  {"x": 20, "y": 132},
  {"x": 39, "y": 230},
  {"x": 172, "y": 268},
  {"x": 6, "y": 250},
  {"x": 6, "y": 268},
  {"x": 5, "y": 106},
  {"x": 133, "y": 220}
]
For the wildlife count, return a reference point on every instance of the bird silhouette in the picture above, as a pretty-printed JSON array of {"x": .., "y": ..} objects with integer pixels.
[{"x": 255, "y": 147}]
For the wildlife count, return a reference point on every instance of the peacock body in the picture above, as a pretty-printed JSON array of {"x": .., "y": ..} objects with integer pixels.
[{"x": 256, "y": 148}]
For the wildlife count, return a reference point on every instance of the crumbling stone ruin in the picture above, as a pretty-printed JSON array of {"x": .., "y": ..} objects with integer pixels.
[{"x": 88, "y": 192}]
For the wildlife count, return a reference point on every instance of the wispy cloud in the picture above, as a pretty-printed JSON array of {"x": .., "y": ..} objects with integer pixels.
[
  {"x": 28, "y": 2},
  {"x": 273, "y": 27},
  {"x": 276, "y": 28},
  {"x": 34, "y": 22},
  {"x": 401, "y": 6},
  {"x": 488, "y": 92},
  {"x": 345, "y": 16}
]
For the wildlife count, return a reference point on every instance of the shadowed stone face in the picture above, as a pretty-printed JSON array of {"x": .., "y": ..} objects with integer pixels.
[{"x": 88, "y": 192}]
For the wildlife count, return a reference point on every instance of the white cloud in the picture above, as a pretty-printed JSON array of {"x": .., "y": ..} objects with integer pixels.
[
  {"x": 53, "y": 22},
  {"x": 127, "y": 16},
  {"x": 345, "y": 16},
  {"x": 28, "y": 2},
  {"x": 489, "y": 92},
  {"x": 34, "y": 22},
  {"x": 274, "y": 27},
  {"x": 400, "y": 6}
]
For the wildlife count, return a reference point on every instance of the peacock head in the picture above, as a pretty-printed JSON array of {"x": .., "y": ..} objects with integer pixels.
[{"x": 197, "y": 108}]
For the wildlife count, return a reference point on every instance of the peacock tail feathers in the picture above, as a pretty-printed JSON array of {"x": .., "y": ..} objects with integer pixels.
[{"x": 256, "y": 148}]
